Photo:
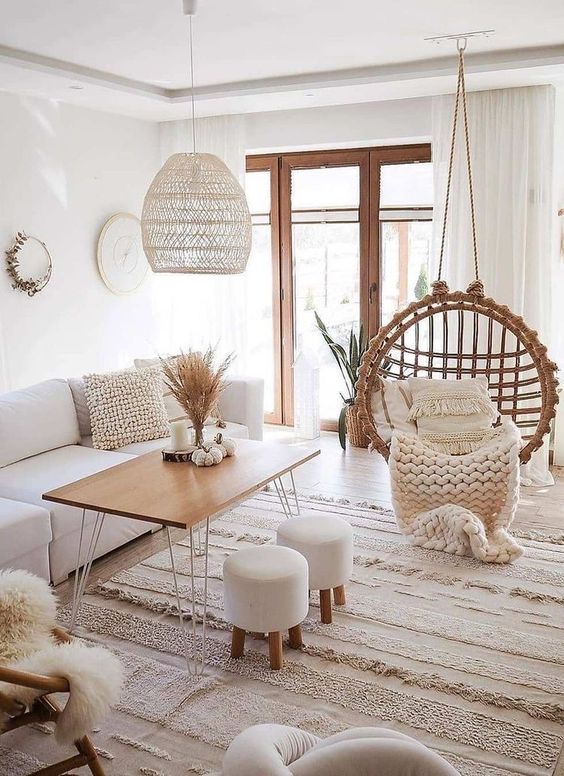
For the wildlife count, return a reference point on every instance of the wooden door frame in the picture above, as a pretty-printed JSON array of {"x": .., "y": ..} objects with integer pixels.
[
  {"x": 369, "y": 160},
  {"x": 301, "y": 161},
  {"x": 420, "y": 152},
  {"x": 271, "y": 164}
]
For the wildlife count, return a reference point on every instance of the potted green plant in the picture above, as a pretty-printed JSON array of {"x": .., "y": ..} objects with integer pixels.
[{"x": 348, "y": 363}]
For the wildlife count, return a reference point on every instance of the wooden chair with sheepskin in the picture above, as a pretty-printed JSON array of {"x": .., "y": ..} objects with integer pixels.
[{"x": 38, "y": 659}]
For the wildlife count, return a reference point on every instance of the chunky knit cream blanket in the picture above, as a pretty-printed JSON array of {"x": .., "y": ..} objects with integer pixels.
[{"x": 462, "y": 504}]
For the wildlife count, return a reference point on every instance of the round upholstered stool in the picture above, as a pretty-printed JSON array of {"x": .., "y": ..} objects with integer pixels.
[
  {"x": 266, "y": 591},
  {"x": 327, "y": 544}
]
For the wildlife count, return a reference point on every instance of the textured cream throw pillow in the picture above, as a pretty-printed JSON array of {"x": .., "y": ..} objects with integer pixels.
[
  {"x": 452, "y": 416},
  {"x": 390, "y": 408},
  {"x": 125, "y": 407}
]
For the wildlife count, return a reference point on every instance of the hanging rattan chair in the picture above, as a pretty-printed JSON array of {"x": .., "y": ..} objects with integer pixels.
[
  {"x": 464, "y": 334},
  {"x": 455, "y": 335}
]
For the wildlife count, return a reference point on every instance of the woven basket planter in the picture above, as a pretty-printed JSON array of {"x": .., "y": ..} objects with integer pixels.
[{"x": 355, "y": 430}]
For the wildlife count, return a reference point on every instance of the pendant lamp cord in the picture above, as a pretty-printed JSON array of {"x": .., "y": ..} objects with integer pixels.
[
  {"x": 460, "y": 98},
  {"x": 193, "y": 109}
]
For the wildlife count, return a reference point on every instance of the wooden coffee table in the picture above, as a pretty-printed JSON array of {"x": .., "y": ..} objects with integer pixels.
[{"x": 177, "y": 495}]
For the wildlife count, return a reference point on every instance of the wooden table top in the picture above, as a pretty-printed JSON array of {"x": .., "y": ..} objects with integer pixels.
[{"x": 180, "y": 494}]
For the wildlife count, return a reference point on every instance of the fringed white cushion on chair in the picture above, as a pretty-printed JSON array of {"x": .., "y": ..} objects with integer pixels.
[{"x": 452, "y": 416}]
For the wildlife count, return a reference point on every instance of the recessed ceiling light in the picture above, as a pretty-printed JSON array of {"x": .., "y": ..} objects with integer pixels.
[
  {"x": 309, "y": 94},
  {"x": 76, "y": 86}
]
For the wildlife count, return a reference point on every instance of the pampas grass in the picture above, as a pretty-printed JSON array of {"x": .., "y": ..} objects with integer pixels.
[{"x": 196, "y": 384}]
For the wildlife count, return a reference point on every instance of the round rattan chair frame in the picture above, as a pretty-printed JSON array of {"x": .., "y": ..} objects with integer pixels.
[{"x": 508, "y": 372}]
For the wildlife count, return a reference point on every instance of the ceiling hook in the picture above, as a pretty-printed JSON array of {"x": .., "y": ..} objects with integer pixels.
[{"x": 461, "y": 44}]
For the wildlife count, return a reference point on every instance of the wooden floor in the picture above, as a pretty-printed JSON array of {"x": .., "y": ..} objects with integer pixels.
[{"x": 355, "y": 474}]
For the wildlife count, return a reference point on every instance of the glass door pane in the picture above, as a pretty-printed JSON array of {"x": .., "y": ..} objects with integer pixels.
[
  {"x": 405, "y": 250},
  {"x": 406, "y": 213},
  {"x": 260, "y": 323},
  {"x": 326, "y": 263}
]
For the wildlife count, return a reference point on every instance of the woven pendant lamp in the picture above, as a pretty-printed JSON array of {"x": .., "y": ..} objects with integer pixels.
[{"x": 195, "y": 215}]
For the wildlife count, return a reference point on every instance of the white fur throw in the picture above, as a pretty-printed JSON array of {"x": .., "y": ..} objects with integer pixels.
[
  {"x": 27, "y": 616},
  {"x": 462, "y": 504}
]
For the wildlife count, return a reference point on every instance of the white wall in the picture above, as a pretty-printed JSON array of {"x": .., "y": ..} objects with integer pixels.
[
  {"x": 340, "y": 126},
  {"x": 63, "y": 171}
]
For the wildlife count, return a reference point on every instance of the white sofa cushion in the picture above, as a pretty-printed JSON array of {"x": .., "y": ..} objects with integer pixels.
[
  {"x": 27, "y": 480},
  {"x": 23, "y": 528},
  {"x": 36, "y": 419},
  {"x": 232, "y": 430},
  {"x": 76, "y": 384},
  {"x": 242, "y": 401}
]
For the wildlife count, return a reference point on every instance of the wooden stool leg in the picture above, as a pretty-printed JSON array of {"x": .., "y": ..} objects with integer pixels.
[
  {"x": 275, "y": 650},
  {"x": 339, "y": 595},
  {"x": 325, "y": 602},
  {"x": 295, "y": 635},
  {"x": 237, "y": 642}
]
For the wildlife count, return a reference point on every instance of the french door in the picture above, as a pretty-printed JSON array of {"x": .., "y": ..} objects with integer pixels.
[{"x": 335, "y": 233}]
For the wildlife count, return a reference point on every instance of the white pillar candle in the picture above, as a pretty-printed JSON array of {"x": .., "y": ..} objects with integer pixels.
[{"x": 179, "y": 436}]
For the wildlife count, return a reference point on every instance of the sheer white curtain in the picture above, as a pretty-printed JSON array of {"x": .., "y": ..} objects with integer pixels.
[
  {"x": 194, "y": 311},
  {"x": 511, "y": 137}
]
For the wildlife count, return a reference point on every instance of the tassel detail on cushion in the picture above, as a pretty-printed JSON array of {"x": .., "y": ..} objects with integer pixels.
[
  {"x": 455, "y": 443},
  {"x": 430, "y": 405}
]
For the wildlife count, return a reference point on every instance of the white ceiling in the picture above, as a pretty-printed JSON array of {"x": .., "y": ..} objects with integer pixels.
[{"x": 131, "y": 56}]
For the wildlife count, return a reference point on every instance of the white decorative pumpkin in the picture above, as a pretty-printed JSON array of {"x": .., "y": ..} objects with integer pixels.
[
  {"x": 213, "y": 452},
  {"x": 216, "y": 454},
  {"x": 229, "y": 445},
  {"x": 226, "y": 445},
  {"x": 203, "y": 457}
]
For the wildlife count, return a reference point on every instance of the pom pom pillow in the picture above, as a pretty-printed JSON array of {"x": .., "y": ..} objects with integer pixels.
[
  {"x": 125, "y": 407},
  {"x": 452, "y": 416}
]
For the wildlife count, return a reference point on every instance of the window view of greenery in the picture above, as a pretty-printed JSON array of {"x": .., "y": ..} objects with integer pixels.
[
  {"x": 405, "y": 254},
  {"x": 325, "y": 233}
]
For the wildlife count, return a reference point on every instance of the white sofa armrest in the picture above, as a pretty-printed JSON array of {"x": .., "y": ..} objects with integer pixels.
[{"x": 242, "y": 401}]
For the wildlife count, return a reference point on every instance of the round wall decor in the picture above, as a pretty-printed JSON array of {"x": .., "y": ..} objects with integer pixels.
[
  {"x": 28, "y": 251},
  {"x": 121, "y": 259}
]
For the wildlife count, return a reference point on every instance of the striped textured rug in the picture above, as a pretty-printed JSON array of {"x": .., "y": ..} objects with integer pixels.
[{"x": 465, "y": 657}]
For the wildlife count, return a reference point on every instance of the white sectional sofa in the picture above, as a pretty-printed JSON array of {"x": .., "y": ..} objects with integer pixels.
[{"x": 45, "y": 442}]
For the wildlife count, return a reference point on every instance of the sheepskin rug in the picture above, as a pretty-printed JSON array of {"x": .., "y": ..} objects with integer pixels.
[{"x": 27, "y": 616}]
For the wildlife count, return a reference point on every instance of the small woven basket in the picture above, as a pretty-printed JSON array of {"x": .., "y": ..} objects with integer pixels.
[{"x": 355, "y": 430}]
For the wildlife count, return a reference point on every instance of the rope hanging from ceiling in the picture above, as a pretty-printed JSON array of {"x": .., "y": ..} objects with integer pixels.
[{"x": 464, "y": 334}]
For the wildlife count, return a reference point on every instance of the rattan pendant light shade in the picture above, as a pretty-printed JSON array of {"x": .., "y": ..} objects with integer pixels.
[
  {"x": 196, "y": 218},
  {"x": 195, "y": 215}
]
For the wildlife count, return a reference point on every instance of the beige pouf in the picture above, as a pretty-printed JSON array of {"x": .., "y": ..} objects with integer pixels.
[
  {"x": 266, "y": 591},
  {"x": 327, "y": 544}
]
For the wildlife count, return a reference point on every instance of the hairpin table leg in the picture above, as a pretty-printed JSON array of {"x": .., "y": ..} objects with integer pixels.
[
  {"x": 194, "y": 663},
  {"x": 281, "y": 481},
  {"x": 285, "y": 507},
  {"x": 81, "y": 579},
  {"x": 198, "y": 551},
  {"x": 298, "y": 512}
]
